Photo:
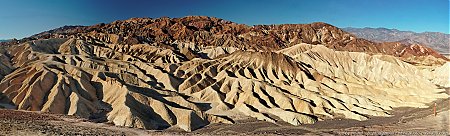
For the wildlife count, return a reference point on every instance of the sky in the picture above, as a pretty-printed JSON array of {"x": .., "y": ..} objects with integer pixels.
[{"x": 23, "y": 18}]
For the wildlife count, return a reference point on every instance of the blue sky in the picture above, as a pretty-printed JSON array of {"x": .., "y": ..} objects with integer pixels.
[{"x": 22, "y": 18}]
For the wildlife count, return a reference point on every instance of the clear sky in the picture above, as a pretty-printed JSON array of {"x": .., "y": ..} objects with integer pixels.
[{"x": 21, "y": 18}]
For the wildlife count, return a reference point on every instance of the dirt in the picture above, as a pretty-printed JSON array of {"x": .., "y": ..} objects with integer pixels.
[
  {"x": 405, "y": 121},
  {"x": 15, "y": 122}
]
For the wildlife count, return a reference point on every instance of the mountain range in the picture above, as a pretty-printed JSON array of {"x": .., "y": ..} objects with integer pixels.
[
  {"x": 189, "y": 72},
  {"x": 436, "y": 40}
]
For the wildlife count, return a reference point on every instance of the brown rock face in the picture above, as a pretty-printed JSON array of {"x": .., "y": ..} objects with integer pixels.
[{"x": 209, "y": 31}]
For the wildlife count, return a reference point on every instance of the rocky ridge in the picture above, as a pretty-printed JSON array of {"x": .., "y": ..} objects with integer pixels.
[{"x": 210, "y": 31}]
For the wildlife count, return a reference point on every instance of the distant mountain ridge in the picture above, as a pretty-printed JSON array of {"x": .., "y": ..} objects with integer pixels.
[
  {"x": 210, "y": 31},
  {"x": 436, "y": 40}
]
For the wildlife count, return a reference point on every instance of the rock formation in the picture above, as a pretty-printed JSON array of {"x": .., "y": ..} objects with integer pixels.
[{"x": 193, "y": 71}]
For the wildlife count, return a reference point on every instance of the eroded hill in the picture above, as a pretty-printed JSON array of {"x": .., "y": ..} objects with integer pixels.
[{"x": 193, "y": 71}]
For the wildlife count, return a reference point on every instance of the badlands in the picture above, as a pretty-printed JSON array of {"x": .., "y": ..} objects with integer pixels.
[{"x": 206, "y": 75}]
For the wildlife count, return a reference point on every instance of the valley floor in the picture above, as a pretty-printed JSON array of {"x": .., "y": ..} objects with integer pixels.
[{"x": 406, "y": 121}]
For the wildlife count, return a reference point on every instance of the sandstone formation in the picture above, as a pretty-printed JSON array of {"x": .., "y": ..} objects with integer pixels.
[{"x": 193, "y": 71}]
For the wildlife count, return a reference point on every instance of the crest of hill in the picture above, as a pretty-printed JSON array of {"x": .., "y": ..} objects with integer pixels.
[{"x": 211, "y": 31}]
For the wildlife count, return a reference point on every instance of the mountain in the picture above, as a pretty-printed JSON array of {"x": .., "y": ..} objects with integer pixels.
[
  {"x": 436, "y": 40},
  {"x": 218, "y": 32},
  {"x": 193, "y": 71}
]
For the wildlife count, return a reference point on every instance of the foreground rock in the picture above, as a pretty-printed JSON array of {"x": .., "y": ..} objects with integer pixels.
[{"x": 31, "y": 123}]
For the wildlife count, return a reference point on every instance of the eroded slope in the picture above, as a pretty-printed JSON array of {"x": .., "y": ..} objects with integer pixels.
[{"x": 155, "y": 86}]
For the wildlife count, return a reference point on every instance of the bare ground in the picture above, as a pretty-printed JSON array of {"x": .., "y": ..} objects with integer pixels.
[{"x": 405, "y": 121}]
